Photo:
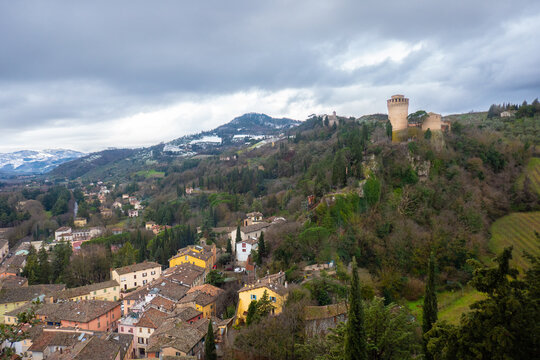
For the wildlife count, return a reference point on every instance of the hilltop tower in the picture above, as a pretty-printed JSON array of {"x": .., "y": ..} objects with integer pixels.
[
  {"x": 398, "y": 109},
  {"x": 433, "y": 122}
]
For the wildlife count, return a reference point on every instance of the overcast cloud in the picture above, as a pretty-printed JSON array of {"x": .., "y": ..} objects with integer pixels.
[{"x": 97, "y": 74}]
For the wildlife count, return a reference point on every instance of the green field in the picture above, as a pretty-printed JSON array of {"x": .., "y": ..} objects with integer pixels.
[
  {"x": 516, "y": 229},
  {"x": 451, "y": 304},
  {"x": 151, "y": 174},
  {"x": 532, "y": 171}
]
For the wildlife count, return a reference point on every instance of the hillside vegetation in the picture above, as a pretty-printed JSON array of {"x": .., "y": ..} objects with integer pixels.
[{"x": 531, "y": 176}]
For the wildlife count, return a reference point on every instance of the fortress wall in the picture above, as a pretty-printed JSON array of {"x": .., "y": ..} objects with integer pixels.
[{"x": 433, "y": 122}]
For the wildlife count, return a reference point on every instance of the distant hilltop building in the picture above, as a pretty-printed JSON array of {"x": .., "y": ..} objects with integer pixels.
[
  {"x": 398, "y": 109},
  {"x": 332, "y": 119}
]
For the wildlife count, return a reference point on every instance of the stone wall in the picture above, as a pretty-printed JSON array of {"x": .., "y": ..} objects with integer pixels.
[{"x": 433, "y": 122}]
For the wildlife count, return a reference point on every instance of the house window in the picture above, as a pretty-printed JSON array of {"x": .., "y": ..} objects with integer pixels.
[
  {"x": 186, "y": 258},
  {"x": 253, "y": 297},
  {"x": 98, "y": 325},
  {"x": 153, "y": 272},
  {"x": 135, "y": 283},
  {"x": 149, "y": 331},
  {"x": 140, "y": 340},
  {"x": 243, "y": 250},
  {"x": 273, "y": 298},
  {"x": 134, "y": 276},
  {"x": 104, "y": 290},
  {"x": 144, "y": 282},
  {"x": 122, "y": 329},
  {"x": 140, "y": 330},
  {"x": 144, "y": 274}
]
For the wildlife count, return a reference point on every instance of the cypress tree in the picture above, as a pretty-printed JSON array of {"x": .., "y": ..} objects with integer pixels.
[
  {"x": 229, "y": 246},
  {"x": 389, "y": 129},
  {"x": 238, "y": 236},
  {"x": 355, "y": 333},
  {"x": 262, "y": 247},
  {"x": 210, "y": 344},
  {"x": 430, "y": 303}
]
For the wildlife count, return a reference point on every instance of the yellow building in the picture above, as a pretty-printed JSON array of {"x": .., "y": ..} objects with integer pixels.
[
  {"x": 107, "y": 291},
  {"x": 277, "y": 294},
  {"x": 201, "y": 256},
  {"x": 14, "y": 298},
  {"x": 202, "y": 298},
  {"x": 79, "y": 222}
]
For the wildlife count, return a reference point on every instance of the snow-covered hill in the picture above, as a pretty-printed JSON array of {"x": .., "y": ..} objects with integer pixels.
[{"x": 35, "y": 162}]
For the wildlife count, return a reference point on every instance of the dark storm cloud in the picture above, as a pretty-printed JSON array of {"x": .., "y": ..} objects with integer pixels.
[{"x": 65, "y": 62}]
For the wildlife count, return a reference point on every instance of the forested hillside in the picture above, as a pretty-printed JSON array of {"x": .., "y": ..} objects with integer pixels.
[{"x": 340, "y": 193}]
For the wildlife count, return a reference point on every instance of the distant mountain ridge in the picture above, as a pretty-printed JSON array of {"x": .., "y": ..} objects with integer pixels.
[
  {"x": 35, "y": 162},
  {"x": 255, "y": 122},
  {"x": 241, "y": 130}
]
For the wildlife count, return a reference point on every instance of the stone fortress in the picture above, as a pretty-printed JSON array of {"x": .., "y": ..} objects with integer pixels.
[{"x": 398, "y": 111}]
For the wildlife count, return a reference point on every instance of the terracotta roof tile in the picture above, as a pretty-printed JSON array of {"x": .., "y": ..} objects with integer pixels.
[{"x": 145, "y": 265}]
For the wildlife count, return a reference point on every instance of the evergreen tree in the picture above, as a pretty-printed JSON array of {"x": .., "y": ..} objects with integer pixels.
[
  {"x": 430, "y": 303},
  {"x": 127, "y": 255},
  {"x": 427, "y": 134},
  {"x": 31, "y": 269},
  {"x": 355, "y": 333},
  {"x": 210, "y": 344},
  {"x": 389, "y": 129},
  {"x": 339, "y": 170},
  {"x": 44, "y": 265},
  {"x": 264, "y": 305},
  {"x": 261, "y": 247},
  {"x": 504, "y": 325},
  {"x": 251, "y": 316},
  {"x": 238, "y": 236},
  {"x": 229, "y": 246},
  {"x": 61, "y": 255}
]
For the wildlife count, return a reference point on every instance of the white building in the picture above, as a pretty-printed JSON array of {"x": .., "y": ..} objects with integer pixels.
[
  {"x": 63, "y": 233},
  {"x": 249, "y": 232},
  {"x": 243, "y": 249}
]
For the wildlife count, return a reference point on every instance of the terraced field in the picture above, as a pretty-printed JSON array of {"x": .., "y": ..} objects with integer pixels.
[
  {"x": 532, "y": 171},
  {"x": 517, "y": 229}
]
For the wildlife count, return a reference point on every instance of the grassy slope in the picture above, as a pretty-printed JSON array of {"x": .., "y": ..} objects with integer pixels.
[
  {"x": 151, "y": 173},
  {"x": 451, "y": 304},
  {"x": 518, "y": 230},
  {"x": 532, "y": 170}
]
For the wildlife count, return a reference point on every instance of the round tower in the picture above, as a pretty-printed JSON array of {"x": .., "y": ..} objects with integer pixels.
[{"x": 398, "y": 109}]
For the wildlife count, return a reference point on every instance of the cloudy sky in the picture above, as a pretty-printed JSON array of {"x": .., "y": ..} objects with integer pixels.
[{"x": 97, "y": 74}]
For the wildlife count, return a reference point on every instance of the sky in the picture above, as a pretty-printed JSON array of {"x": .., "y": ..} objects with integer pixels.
[{"x": 91, "y": 75}]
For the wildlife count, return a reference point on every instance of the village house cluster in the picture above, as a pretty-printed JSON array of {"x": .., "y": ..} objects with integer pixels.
[{"x": 143, "y": 311}]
